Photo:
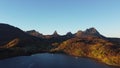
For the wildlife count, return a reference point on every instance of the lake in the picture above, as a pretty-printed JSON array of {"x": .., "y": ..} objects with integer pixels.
[{"x": 46, "y": 60}]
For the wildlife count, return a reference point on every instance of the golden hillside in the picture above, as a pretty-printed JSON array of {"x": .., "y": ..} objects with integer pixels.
[{"x": 91, "y": 47}]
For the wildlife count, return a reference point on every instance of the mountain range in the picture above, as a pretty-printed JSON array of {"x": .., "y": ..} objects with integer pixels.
[{"x": 89, "y": 43}]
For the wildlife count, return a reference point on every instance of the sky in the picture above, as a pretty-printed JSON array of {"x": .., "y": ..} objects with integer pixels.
[{"x": 64, "y": 16}]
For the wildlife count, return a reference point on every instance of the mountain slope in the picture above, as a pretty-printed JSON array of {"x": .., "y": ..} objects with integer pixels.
[
  {"x": 14, "y": 41},
  {"x": 89, "y": 43},
  {"x": 35, "y": 33},
  {"x": 92, "y": 47},
  {"x": 92, "y": 44}
]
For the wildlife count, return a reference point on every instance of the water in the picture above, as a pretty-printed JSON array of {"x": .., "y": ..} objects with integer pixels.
[{"x": 47, "y": 60}]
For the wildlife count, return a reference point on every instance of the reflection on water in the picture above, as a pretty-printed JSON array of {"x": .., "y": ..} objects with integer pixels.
[{"x": 47, "y": 60}]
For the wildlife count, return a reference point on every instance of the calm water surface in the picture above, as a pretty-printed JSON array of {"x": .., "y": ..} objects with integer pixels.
[{"x": 47, "y": 60}]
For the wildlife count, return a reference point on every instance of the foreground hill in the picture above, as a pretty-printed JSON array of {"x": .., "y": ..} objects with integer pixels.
[
  {"x": 92, "y": 47},
  {"x": 89, "y": 43},
  {"x": 14, "y": 41}
]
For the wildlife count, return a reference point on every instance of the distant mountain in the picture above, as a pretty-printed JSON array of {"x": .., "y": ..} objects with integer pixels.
[
  {"x": 89, "y": 32},
  {"x": 55, "y": 37},
  {"x": 89, "y": 43},
  {"x": 92, "y": 31},
  {"x": 55, "y": 34},
  {"x": 35, "y": 33}
]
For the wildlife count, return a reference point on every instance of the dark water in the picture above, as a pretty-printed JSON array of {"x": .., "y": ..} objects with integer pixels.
[{"x": 47, "y": 60}]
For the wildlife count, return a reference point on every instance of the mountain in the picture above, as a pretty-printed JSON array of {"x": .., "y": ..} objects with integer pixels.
[
  {"x": 8, "y": 33},
  {"x": 55, "y": 34},
  {"x": 14, "y": 41},
  {"x": 55, "y": 37},
  {"x": 92, "y": 31},
  {"x": 89, "y": 32},
  {"x": 35, "y": 33},
  {"x": 89, "y": 43}
]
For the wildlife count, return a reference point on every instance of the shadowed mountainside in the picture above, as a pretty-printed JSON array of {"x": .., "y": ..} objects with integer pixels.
[
  {"x": 89, "y": 43},
  {"x": 14, "y": 41}
]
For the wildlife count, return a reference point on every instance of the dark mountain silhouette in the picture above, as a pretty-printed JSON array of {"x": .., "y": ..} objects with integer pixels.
[
  {"x": 92, "y": 31},
  {"x": 89, "y": 43},
  {"x": 69, "y": 35},
  {"x": 35, "y": 33},
  {"x": 55, "y": 34},
  {"x": 8, "y": 33},
  {"x": 14, "y": 41},
  {"x": 89, "y": 32}
]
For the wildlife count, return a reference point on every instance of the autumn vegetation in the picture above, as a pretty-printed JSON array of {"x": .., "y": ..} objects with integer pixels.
[{"x": 91, "y": 47}]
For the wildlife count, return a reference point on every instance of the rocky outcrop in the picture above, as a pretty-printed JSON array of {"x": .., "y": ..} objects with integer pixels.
[{"x": 35, "y": 33}]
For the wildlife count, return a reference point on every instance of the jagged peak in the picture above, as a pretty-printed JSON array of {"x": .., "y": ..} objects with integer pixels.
[
  {"x": 55, "y": 33},
  {"x": 32, "y": 31},
  {"x": 69, "y": 34},
  {"x": 91, "y": 31},
  {"x": 79, "y": 33}
]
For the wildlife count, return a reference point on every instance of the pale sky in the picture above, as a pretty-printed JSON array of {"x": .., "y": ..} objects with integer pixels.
[{"x": 46, "y": 16}]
